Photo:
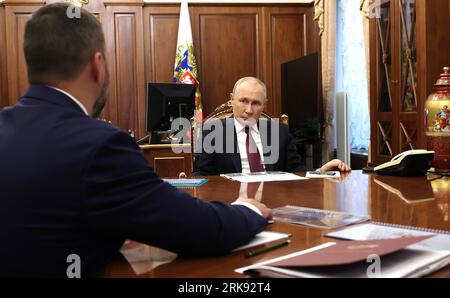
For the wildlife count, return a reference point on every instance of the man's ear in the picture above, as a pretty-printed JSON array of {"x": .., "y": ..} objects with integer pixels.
[
  {"x": 231, "y": 96},
  {"x": 97, "y": 67}
]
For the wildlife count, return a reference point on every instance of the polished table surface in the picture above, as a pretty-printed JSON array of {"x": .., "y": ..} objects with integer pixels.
[{"x": 413, "y": 201}]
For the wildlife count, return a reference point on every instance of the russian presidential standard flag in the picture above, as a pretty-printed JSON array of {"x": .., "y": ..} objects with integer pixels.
[{"x": 185, "y": 71}]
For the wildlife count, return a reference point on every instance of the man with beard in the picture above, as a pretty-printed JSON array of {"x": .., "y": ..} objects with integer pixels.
[{"x": 74, "y": 188}]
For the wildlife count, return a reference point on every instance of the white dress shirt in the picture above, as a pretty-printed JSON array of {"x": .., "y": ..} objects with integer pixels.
[
  {"x": 248, "y": 205},
  {"x": 71, "y": 97},
  {"x": 241, "y": 138}
]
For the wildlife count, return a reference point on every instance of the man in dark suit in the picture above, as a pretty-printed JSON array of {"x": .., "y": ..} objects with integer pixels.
[
  {"x": 224, "y": 146},
  {"x": 73, "y": 188}
]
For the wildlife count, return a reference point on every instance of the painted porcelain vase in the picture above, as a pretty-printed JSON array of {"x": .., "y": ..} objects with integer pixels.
[{"x": 437, "y": 123}]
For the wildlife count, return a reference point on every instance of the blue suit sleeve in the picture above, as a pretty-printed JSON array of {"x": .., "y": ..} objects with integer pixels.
[{"x": 126, "y": 199}]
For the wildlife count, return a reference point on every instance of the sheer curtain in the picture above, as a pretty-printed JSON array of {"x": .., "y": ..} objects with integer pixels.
[
  {"x": 325, "y": 15},
  {"x": 351, "y": 72}
]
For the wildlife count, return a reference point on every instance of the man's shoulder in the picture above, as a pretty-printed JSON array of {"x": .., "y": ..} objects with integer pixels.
[
  {"x": 96, "y": 125},
  {"x": 273, "y": 122},
  {"x": 94, "y": 130}
]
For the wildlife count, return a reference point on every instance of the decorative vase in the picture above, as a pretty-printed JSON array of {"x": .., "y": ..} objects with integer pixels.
[{"x": 437, "y": 123}]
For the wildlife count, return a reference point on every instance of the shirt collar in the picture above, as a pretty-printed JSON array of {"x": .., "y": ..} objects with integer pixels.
[
  {"x": 71, "y": 97},
  {"x": 239, "y": 127}
]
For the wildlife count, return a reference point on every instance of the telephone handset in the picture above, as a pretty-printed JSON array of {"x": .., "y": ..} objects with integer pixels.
[{"x": 409, "y": 163}]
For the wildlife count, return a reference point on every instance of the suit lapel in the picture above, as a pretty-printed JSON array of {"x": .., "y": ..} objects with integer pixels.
[{"x": 266, "y": 141}]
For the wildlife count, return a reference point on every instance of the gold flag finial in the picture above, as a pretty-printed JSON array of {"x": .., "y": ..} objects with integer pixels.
[{"x": 78, "y": 3}]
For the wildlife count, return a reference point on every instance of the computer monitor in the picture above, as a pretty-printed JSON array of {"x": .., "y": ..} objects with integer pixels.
[{"x": 166, "y": 102}]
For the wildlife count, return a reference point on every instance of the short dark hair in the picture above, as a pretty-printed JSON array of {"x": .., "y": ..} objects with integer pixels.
[{"x": 57, "y": 47}]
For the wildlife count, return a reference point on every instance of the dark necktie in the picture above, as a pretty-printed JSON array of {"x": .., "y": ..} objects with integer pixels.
[{"x": 254, "y": 159}]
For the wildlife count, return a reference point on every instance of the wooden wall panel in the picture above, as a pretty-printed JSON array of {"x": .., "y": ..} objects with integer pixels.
[
  {"x": 228, "y": 47},
  {"x": 17, "y": 79},
  {"x": 161, "y": 31},
  {"x": 286, "y": 34},
  {"x": 125, "y": 54},
  {"x": 230, "y": 41},
  {"x": 3, "y": 83}
]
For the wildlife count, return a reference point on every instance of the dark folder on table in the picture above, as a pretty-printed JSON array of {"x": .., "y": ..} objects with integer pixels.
[{"x": 397, "y": 258}]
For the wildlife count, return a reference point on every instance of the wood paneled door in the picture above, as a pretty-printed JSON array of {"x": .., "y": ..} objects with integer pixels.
[
  {"x": 16, "y": 78},
  {"x": 3, "y": 83}
]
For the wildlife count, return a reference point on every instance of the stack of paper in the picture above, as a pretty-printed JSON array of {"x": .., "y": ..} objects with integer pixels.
[{"x": 262, "y": 177}]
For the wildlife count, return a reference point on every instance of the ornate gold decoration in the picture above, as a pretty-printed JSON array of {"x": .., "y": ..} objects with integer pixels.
[
  {"x": 77, "y": 3},
  {"x": 369, "y": 8},
  {"x": 364, "y": 7},
  {"x": 319, "y": 11}
]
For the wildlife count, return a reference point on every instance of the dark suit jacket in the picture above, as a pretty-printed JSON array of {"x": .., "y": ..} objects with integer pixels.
[
  {"x": 71, "y": 184},
  {"x": 229, "y": 161}
]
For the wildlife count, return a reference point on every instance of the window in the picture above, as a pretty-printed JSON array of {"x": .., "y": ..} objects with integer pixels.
[{"x": 351, "y": 76}]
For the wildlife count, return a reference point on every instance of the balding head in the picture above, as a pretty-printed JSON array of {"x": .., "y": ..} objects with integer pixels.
[
  {"x": 248, "y": 99},
  {"x": 251, "y": 81}
]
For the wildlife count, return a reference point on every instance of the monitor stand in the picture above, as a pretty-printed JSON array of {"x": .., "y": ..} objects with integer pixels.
[{"x": 161, "y": 137}]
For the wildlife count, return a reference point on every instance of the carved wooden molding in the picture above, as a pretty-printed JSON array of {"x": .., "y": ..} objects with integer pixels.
[
  {"x": 22, "y": 2},
  {"x": 124, "y": 2}
]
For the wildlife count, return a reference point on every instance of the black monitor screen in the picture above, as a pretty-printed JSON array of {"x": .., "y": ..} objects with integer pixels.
[{"x": 166, "y": 102}]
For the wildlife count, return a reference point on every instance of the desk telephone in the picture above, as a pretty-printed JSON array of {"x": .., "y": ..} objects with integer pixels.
[{"x": 408, "y": 163}]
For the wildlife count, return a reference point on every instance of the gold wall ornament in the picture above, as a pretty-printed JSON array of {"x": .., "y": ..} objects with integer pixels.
[
  {"x": 364, "y": 7},
  {"x": 78, "y": 3},
  {"x": 319, "y": 11},
  {"x": 370, "y": 8}
]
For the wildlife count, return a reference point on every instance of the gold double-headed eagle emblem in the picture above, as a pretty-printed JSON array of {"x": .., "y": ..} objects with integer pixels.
[{"x": 78, "y": 3}]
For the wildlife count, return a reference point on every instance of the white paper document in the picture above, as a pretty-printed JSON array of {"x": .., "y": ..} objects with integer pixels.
[
  {"x": 144, "y": 258},
  {"x": 373, "y": 231},
  {"x": 262, "y": 177},
  {"x": 264, "y": 237}
]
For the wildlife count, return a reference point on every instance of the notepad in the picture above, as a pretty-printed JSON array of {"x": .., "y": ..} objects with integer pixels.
[
  {"x": 379, "y": 230},
  {"x": 184, "y": 182}
]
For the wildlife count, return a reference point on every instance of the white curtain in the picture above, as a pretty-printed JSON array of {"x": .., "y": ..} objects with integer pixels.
[
  {"x": 325, "y": 15},
  {"x": 351, "y": 75}
]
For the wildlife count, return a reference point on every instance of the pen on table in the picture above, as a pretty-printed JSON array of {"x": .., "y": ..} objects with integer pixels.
[
  {"x": 325, "y": 173},
  {"x": 265, "y": 249}
]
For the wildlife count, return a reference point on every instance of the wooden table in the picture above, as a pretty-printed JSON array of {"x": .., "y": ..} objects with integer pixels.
[{"x": 414, "y": 201}]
